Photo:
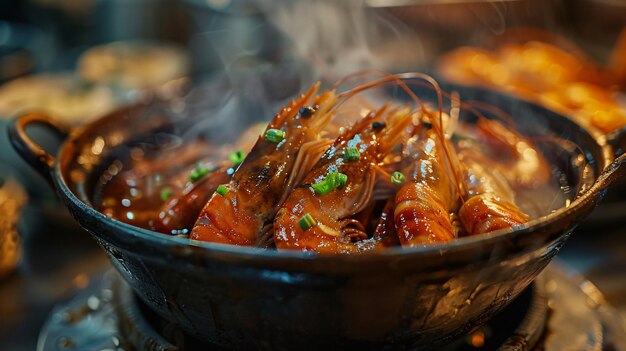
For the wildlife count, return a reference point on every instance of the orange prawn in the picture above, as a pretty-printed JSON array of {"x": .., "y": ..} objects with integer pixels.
[
  {"x": 509, "y": 161},
  {"x": 490, "y": 204},
  {"x": 178, "y": 214},
  {"x": 318, "y": 215},
  {"x": 424, "y": 203},
  {"x": 242, "y": 210}
]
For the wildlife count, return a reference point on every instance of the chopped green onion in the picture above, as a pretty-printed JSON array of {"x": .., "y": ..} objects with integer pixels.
[
  {"x": 323, "y": 187},
  {"x": 351, "y": 154},
  {"x": 166, "y": 193},
  {"x": 305, "y": 222},
  {"x": 237, "y": 157},
  {"x": 221, "y": 189},
  {"x": 332, "y": 181},
  {"x": 397, "y": 178},
  {"x": 198, "y": 172},
  {"x": 274, "y": 135},
  {"x": 341, "y": 180}
]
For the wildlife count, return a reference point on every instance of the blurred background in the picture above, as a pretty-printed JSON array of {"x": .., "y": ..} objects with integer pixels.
[{"x": 80, "y": 59}]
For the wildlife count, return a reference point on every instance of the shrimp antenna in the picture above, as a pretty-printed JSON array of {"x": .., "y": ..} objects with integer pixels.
[
  {"x": 398, "y": 79},
  {"x": 469, "y": 104},
  {"x": 493, "y": 110},
  {"x": 360, "y": 74},
  {"x": 387, "y": 78},
  {"x": 439, "y": 126}
]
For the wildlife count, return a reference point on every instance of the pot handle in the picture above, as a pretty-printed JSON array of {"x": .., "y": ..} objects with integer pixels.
[
  {"x": 612, "y": 173},
  {"x": 617, "y": 140},
  {"x": 29, "y": 150},
  {"x": 617, "y": 169}
]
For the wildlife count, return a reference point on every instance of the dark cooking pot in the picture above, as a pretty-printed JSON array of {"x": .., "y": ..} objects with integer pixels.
[{"x": 242, "y": 297}]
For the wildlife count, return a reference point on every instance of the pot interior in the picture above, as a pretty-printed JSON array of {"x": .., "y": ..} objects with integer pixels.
[{"x": 217, "y": 113}]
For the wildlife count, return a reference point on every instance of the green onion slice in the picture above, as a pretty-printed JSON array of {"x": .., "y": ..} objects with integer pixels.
[
  {"x": 221, "y": 189},
  {"x": 166, "y": 193},
  {"x": 332, "y": 181},
  {"x": 322, "y": 187},
  {"x": 397, "y": 178},
  {"x": 237, "y": 157},
  {"x": 274, "y": 135},
  {"x": 305, "y": 222},
  {"x": 341, "y": 180},
  {"x": 351, "y": 154},
  {"x": 198, "y": 172}
]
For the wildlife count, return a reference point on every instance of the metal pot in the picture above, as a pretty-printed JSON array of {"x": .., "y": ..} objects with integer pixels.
[{"x": 247, "y": 298}]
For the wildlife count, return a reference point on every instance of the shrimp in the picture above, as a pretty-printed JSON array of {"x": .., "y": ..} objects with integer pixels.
[
  {"x": 178, "y": 213},
  {"x": 490, "y": 204},
  {"x": 490, "y": 179},
  {"x": 242, "y": 213},
  {"x": 424, "y": 203},
  {"x": 323, "y": 222},
  {"x": 142, "y": 183}
]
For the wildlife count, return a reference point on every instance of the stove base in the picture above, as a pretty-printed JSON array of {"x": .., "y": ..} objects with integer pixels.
[{"x": 560, "y": 310}]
